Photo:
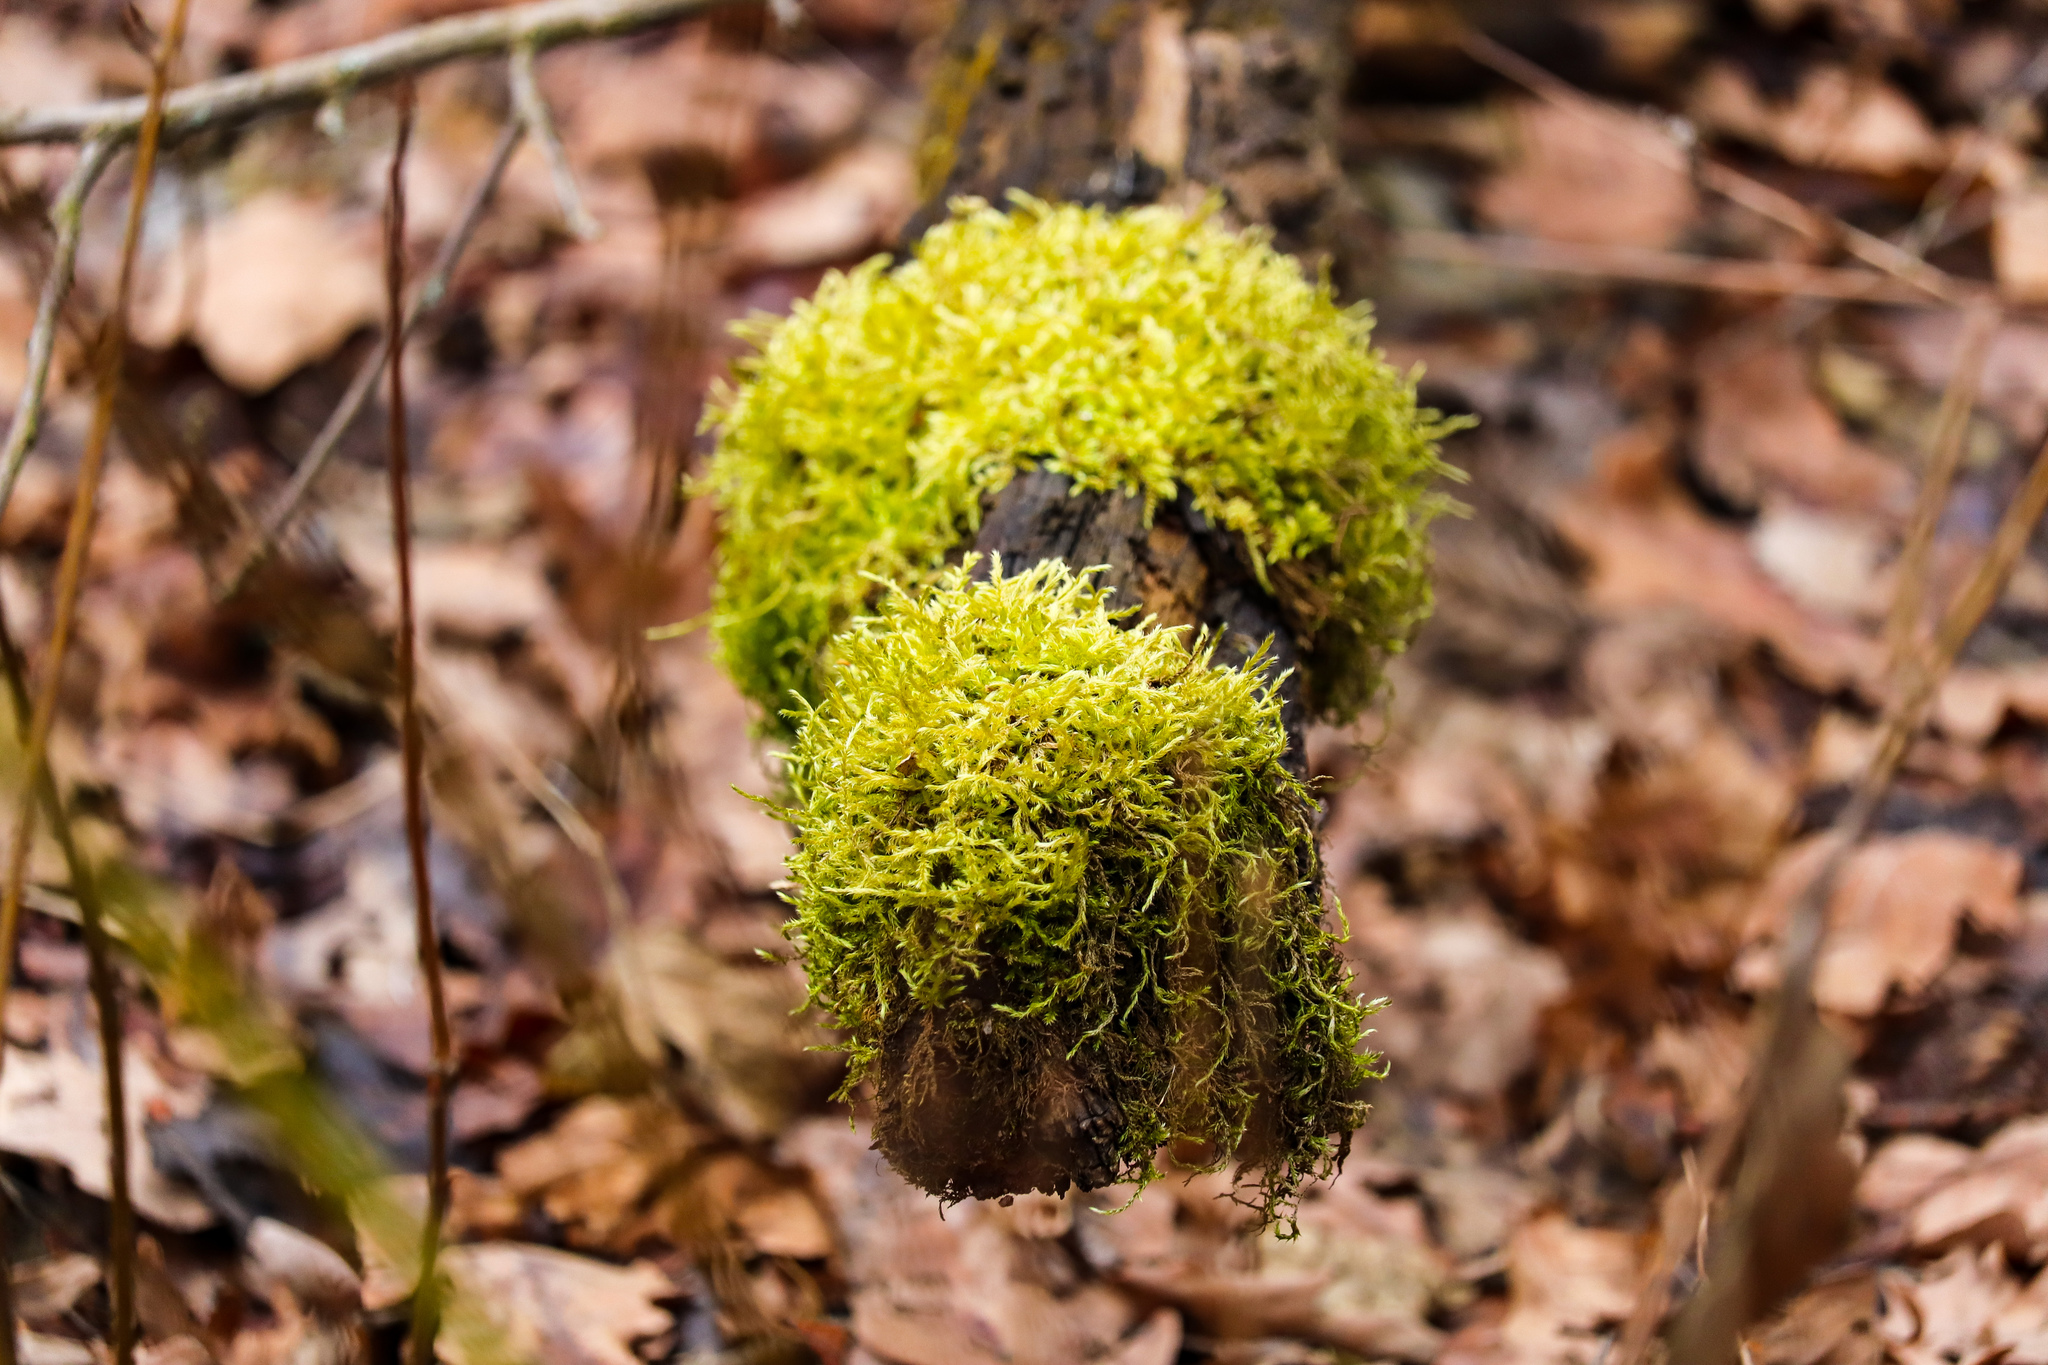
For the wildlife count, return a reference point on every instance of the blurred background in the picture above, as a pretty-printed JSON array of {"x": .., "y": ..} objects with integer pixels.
[{"x": 1613, "y": 230}]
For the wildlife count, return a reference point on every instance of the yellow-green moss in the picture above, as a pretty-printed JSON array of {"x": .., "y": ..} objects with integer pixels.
[
  {"x": 1144, "y": 352},
  {"x": 1040, "y": 829}
]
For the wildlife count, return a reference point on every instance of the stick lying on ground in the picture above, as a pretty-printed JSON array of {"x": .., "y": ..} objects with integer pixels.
[{"x": 311, "y": 81}]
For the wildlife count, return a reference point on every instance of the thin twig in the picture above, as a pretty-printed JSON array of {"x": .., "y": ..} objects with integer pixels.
[
  {"x": 1682, "y": 1230},
  {"x": 112, "y": 351},
  {"x": 311, "y": 81},
  {"x": 1951, "y": 426},
  {"x": 1794, "y": 279},
  {"x": 1729, "y": 183},
  {"x": 533, "y": 112},
  {"x": 68, "y": 217},
  {"x": 426, "y": 1296},
  {"x": 1793, "y": 1018},
  {"x": 277, "y": 518}
]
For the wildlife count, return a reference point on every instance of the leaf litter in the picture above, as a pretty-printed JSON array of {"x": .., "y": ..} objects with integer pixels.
[{"x": 1564, "y": 849}]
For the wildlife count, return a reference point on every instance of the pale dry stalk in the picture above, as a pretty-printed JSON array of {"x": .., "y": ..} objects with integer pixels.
[{"x": 110, "y": 356}]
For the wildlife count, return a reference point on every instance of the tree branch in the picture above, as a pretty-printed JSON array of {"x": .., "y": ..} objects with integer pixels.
[{"x": 311, "y": 81}]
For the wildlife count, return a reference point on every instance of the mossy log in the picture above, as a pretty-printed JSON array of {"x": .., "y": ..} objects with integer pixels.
[{"x": 1104, "y": 101}]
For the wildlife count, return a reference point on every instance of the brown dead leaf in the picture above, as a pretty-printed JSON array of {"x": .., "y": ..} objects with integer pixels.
[
  {"x": 1468, "y": 995},
  {"x": 597, "y": 1166},
  {"x": 1762, "y": 427},
  {"x": 1661, "y": 551},
  {"x": 1997, "y": 1194},
  {"x": 1948, "y": 1311},
  {"x": 734, "y": 1023},
  {"x": 281, "y": 281},
  {"x": 1575, "y": 181},
  {"x": 850, "y": 207},
  {"x": 2019, "y": 243},
  {"x": 1839, "y": 120},
  {"x": 1894, "y": 914},
  {"x": 554, "y": 1306},
  {"x": 53, "y": 1107},
  {"x": 1565, "y": 1285},
  {"x": 1908, "y": 1168},
  {"x": 1832, "y": 1324},
  {"x": 45, "y": 1289}
]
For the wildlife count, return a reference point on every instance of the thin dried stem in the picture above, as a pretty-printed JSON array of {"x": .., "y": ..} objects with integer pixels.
[
  {"x": 1784, "y": 279},
  {"x": 68, "y": 217},
  {"x": 533, "y": 112},
  {"x": 1951, "y": 427},
  {"x": 111, "y": 352},
  {"x": 426, "y": 1296},
  {"x": 277, "y": 518},
  {"x": 1793, "y": 1020},
  {"x": 1731, "y": 184},
  {"x": 312, "y": 81}
]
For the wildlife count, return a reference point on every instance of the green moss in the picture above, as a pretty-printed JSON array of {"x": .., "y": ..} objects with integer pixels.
[
  {"x": 1062, "y": 844},
  {"x": 1144, "y": 352}
]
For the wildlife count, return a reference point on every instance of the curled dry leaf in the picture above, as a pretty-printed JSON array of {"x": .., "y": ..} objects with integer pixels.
[{"x": 595, "y": 1169}]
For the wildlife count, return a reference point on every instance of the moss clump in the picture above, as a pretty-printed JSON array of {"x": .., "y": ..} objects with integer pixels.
[
  {"x": 1057, "y": 888},
  {"x": 1143, "y": 352}
]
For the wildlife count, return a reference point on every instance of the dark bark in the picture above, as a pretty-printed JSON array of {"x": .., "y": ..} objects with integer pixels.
[{"x": 1116, "y": 103}]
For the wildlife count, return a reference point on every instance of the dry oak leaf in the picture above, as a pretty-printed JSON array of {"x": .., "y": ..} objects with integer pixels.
[
  {"x": 1576, "y": 181},
  {"x": 1893, "y": 916},
  {"x": 554, "y": 1306},
  {"x": 277, "y": 283}
]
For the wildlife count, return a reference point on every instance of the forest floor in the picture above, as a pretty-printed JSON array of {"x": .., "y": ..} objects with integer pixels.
[{"x": 1567, "y": 850}]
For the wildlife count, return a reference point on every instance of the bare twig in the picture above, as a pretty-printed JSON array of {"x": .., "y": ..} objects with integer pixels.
[
  {"x": 426, "y": 1297},
  {"x": 311, "y": 81},
  {"x": 112, "y": 350},
  {"x": 533, "y": 113},
  {"x": 68, "y": 217},
  {"x": 1650, "y": 266},
  {"x": 1682, "y": 1229},
  {"x": 1951, "y": 426},
  {"x": 278, "y": 516},
  {"x": 1793, "y": 1022},
  {"x": 1731, "y": 184}
]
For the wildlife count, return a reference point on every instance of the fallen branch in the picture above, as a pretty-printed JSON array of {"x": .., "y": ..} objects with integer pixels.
[{"x": 312, "y": 81}]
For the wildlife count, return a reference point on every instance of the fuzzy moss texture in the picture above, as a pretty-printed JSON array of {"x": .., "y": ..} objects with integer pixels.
[
  {"x": 1142, "y": 352},
  {"x": 1039, "y": 832}
]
